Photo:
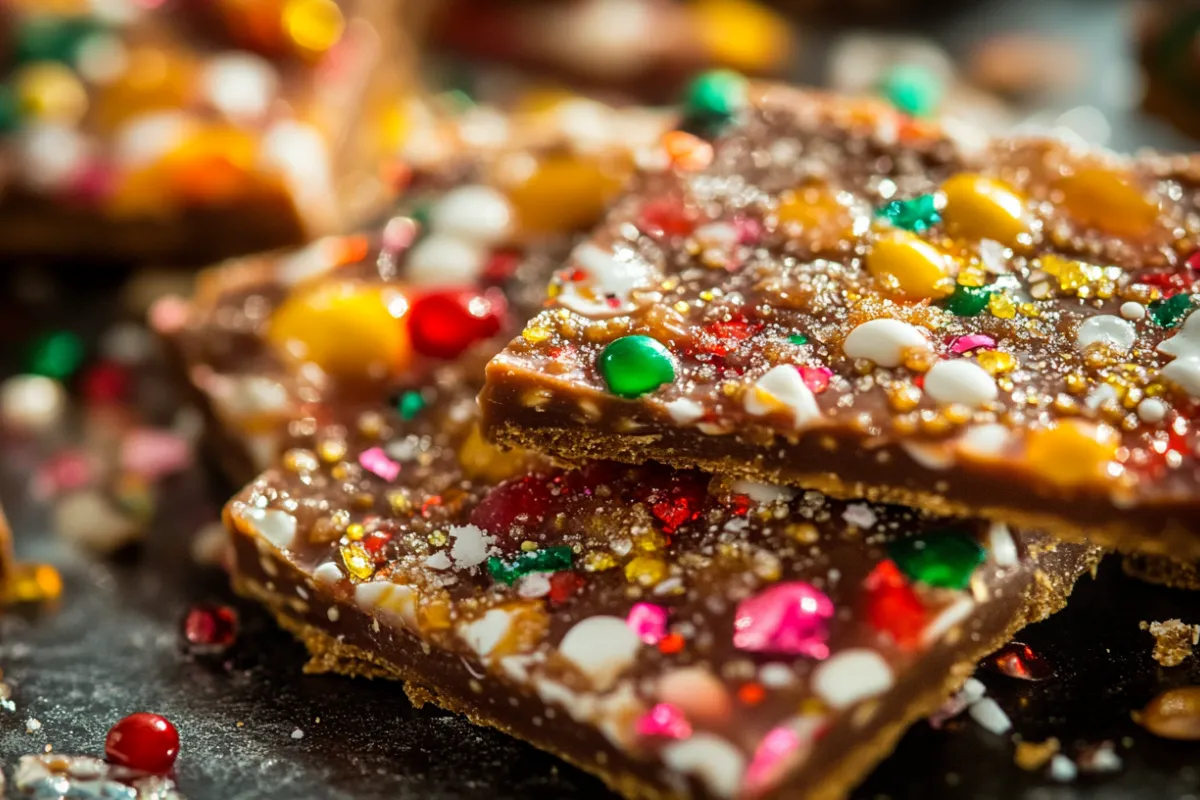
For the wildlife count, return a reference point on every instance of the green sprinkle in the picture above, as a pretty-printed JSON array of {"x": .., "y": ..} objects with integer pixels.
[
  {"x": 712, "y": 99},
  {"x": 56, "y": 355},
  {"x": 411, "y": 403},
  {"x": 798, "y": 338},
  {"x": 457, "y": 100},
  {"x": 549, "y": 559},
  {"x": 913, "y": 89},
  {"x": 968, "y": 301},
  {"x": 946, "y": 559},
  {"x": 1167, "y": 313},
  {"x": 636, "y": 365},
  {"x": 916, "y": 215},
  {"x": 53, "y": 38}
]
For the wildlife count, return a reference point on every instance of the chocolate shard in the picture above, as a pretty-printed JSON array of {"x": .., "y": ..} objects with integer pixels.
[
  {"x": 674, "y": 633},
  {"x": 843, "y": 298}
]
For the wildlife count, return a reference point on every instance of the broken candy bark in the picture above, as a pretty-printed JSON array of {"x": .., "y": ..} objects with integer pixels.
[
  {"x": 843, "y": 298},
  {"x": 192, "y": 131},
  {"x": 646, "y": 48},
  {"x": 269, "y": 337},
  {"x": 675, "y": 634}
]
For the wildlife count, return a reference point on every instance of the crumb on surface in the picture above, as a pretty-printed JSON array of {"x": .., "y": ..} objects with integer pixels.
[
  {"x": 1034, "y": 755},
  {"x": 1173, "y": 640}
]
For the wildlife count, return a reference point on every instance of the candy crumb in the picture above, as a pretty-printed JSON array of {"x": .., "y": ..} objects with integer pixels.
[
  {"x": 297, "y": 734},
  {"x": 1034, "y": 755},
  {"x": 1173, "y": 640},
  {"x": 1063, "y": 769},
  {"x": 32, "y": 725},
  {"x": 988, "y": 713}
]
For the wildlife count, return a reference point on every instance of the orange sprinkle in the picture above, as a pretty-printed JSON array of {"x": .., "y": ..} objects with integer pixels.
[
  {"x": 751, "y": 694},
  {"x": 671, "y": 643},
  {"x": 687, "y": 152},
  {"x": 352, "y": 249}
]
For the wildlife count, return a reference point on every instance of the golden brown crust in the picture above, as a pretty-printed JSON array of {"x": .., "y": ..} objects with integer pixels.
[{"x": 1162, "y": 571}]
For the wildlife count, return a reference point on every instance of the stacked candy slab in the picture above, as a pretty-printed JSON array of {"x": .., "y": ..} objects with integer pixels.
[
  {"x": 834, "y": 296},
  {"x": 189, "y": 131},
  {"x": 672, "y": 632}
]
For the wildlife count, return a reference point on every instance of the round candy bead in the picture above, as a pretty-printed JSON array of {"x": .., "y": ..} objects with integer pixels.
[
  {"x": 313, "y": 26},
  {"x": 1073, "y": 453},
  {"x": 714, "y": 97},
  {"x": 742, "y": 34},
  {"x": 910, "y": 267},
  {"x": 946, "y": 560},
  {"x": 443, "y": 324},
  {"x": 143, "y": 741},
  {"x": 562, "y": 193},
  {"x": 1108, "y": 200},
  {"x": 636, "y": 365},
  {"x": 346, "y": 328},
  {"x": 983, "y": 208}
]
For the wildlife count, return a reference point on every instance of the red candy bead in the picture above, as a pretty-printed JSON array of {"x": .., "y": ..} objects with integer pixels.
[
  {"x": 524, "y": 502},
  {"x": 564, "y": 586},
  {"x": 210, "y": 629},
  {"x": 666, "y": 216},
  {"x": 443, "y": 324},
  {"x": 893, "y": 607},
  {"x": 675, "y": 499},
  {"x": 501, "y": 265},
  {"x": 143, "y": 741},
  {"x": 1017, "y": 660}
]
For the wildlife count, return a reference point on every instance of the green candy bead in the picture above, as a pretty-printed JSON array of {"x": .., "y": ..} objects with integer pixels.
[
  {"x": 946, "y": 559},
  {"x": 548, "y": 559},
  {"x": 411, "y": 404},
  {"x": 56, "y": 355},
  {"x": 916, "y": 215},
  {"x": 798, "y": 338},
  {"x": 636, "y": 365},
  {"x": 713, "y": 98},
  {"x": 968, "y": 301},
  {"x": 1167, "y": 313},
  {"x": 913, "y": 89}
]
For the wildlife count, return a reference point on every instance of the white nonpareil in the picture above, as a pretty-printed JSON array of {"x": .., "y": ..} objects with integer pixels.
[
  {"x": 960, "y": 381},
  {"x": 1108, "y": 330},
  {"x": 884, "y": 341},
  {"x": 782, "y": 389}
]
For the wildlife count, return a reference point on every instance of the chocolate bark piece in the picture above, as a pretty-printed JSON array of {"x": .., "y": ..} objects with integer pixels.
[
  {"x": 449, "y": 275},
  {"x": 846, "y": 299},
  {"x": 674, "y": 633},
  {"x": 647, "y": 49},
  {"x": 1162, "y": 570},
  {"x": 188, "y": 132}
]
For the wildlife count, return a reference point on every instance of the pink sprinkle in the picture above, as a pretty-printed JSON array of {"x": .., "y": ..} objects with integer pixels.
[
  {"x": 154, "y": 453},
  {"x": 63, "y": 473},
  {"x": 749, "y": 230},
  {"x": 777, "y": 751},
  {"x": 790, "y": 617},
  {"x": 666, "y": 721},
  {"x": 398, "y": 234},
  {"x": 816, "y": 378},
  {"x": 92, "y": 184},
  {"x": 648, "y": 621},
  {"x": 374, "y": 460},
  {"x": 972, "y": 341}
]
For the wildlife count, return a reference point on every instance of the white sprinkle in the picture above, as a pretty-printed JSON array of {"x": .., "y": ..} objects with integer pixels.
[
  {"x": 985, "y": 440},
  {"x": 31, "y": 402},
  {"x": 333, "y": 614},
  {"x": 101, "y": 59},
  {"x": 478, "y": 214},
  {"x": 1184, "y": 373},
  {"x": 947, "y": 618},
  {"x": 441, "y": 260},
  {"x": 148, "y": 137},
  {"x": 471, "y": 546},
  {"x": 717, "y": 763},
  {"x": 240, "y": 85},
  {"x": 602, "y": 647},
  {"x": 1062, "y": 769},
  {"x": 50, "y": 155},
  {"x": 1001, "y": 545},
  {"x": 993, "y": 256},
  {"x": 860, "y": 515},
  {"x": 1100, "y": 396},
  {"x": 32, "y": 725},
  {"x": 486, "y": 632},
  {"x": 850, "y": 676},
  {"x": 765, "y": 493},
  {"x": 297, "y": 734},
  {"x": 884, "y": 341},
  {"x": 960, "y": 381},
  {"x": 988, "y": 713},
  {"x": 439, "y": 560},
  {"x": 1133, "y": 311},
  {"x": 776, "y": 675},
  {"x": 535, "y": 584},
  {"x": 973, "y": 690},
  {"x": 782, "y": 389},
  {"x": 327, "y": 573},
  {"x": 277, "y": 527},
  {"x": 1151, "y": 410},
  {"x": 683, "y": 411},
  {"x": 394, "y": 601},
  {"x": 1106, "y": 329}
]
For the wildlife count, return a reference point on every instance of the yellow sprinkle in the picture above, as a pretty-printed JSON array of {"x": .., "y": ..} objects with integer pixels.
[
  {"x": 597, "y": 561},
  {"x": 399, "y": 502},
  {"x": 355, "y": 532},
  {"x": 358, "y": 561},
  {"x": 314, "y": 25},
  {"x": 536, "y": 333},
  {"x": 528, "y": 546},
  {"x": 1002, "y": 306},
  {"x": 996, "y": 361},
  {"x": 331, "y": 450},
  {"x": 438, "y": 538},
  {"x": 645, "y": 570}
]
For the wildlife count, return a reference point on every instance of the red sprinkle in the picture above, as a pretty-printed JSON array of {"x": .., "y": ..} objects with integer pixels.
[
  {"x": 105, "y": 382},
  {"x": 210, "y": 629},
  {"x": 564, "y": 586},
  {"x": 893, "y": 607},
  {"x": 443, "y": 324},
  {"x": 671, "y": 643},
  {"x": 523, "y": 502},
  {"x": 143, "y": 741},
  {"x": 666, "y": 216}
]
